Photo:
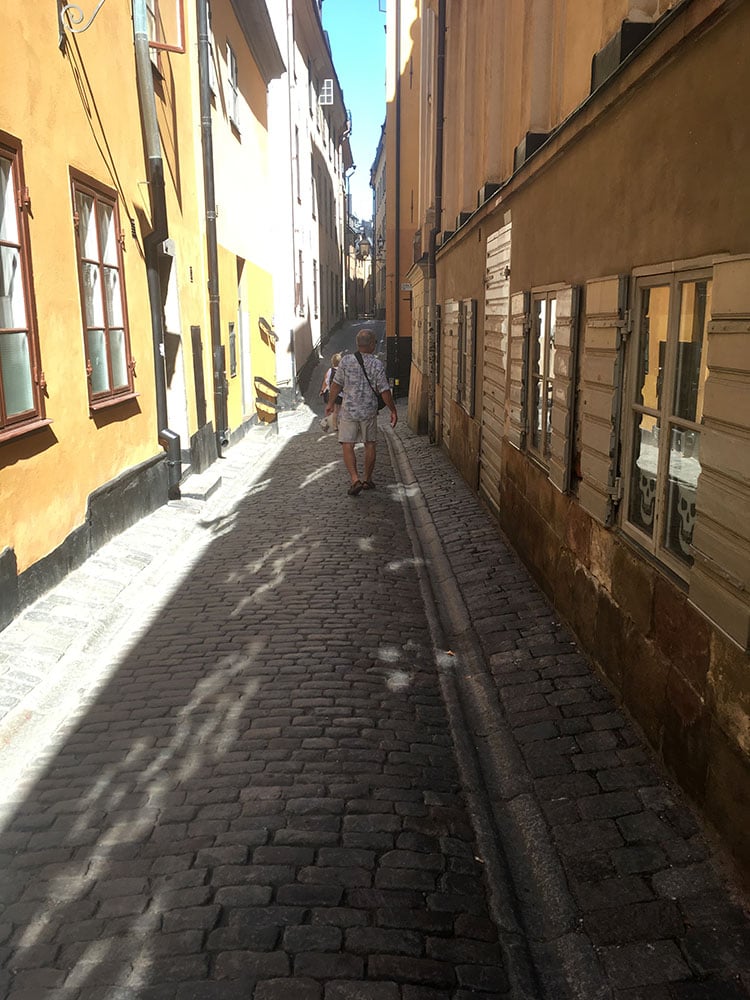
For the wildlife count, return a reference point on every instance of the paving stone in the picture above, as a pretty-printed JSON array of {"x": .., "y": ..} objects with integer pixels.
[
  {"x": 362, "y": 991},
  {"x": 644, "y": 963},
  {"x": 287, "y": 989},
  {"x": 254, "y": 784}
]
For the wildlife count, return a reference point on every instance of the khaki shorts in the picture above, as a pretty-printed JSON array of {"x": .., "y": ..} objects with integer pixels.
[{"x": 351, "y": 431}]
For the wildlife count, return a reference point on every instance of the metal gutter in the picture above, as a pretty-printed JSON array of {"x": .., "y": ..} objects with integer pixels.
[{"x": 168, "y": 439}]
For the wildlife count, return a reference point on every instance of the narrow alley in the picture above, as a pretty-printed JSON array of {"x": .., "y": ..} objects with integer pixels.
[{"x": 286, "y": 744}]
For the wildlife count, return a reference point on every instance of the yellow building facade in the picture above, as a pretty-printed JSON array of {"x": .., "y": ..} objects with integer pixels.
[
  {"x": 129, "y": 342},
  {"x": 587, "y": 351}
]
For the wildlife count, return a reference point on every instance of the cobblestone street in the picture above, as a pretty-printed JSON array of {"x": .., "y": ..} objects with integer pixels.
[{"x": 286, "y": 744}]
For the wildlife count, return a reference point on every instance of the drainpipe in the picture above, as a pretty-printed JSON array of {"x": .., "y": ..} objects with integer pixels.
[
  {"x": 397, "y": 207},
  {"x": 217, "y": 352},
  {"x": 168, "y": 439},
  {"x": 432, "y": 332}
]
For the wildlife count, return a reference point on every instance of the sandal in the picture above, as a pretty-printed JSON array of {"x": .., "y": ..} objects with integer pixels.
[
  {"x": 355, "y": 489},
  {"x": 368, "y": 484}
]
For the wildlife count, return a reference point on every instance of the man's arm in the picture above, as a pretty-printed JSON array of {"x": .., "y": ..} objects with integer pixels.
[
  {"x": 333, "y": 394},
  {"x": 388, "y": 397}
]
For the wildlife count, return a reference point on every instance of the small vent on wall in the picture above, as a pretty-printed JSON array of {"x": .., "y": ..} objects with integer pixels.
[
  {"x": 617, "y": 49},
  {"x": 530, "y": 143}
]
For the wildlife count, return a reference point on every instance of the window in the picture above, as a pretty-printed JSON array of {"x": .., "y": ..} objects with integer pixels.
[
  {"x": 314, "y": 188},
  {"x": 326, "y": 93},
  {"x": 109, "y": 364},
  {"x": 232, "y": 351},
  {"x": 541, "y": 373},
  {"x": 667, "y": 380},
  {"x": 315, "y": 288},
  {"x": 233, "y": 104},
  {"x": 212, "y": 79},
  {"x": 297, "y": 169},
  {"x": 467, "y": 327},
  {"x": 300, "y": 285},
  {"x": 21, "y": 379}
]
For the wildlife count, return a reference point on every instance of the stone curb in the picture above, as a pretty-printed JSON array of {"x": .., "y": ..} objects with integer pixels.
[{"x": 529, "y": 896}]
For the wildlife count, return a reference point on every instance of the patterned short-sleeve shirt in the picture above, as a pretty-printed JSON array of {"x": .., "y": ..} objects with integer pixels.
[{"x": 360, "y": 402}]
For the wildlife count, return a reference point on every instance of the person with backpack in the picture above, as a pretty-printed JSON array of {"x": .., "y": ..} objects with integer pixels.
[
  {"x": 362, "y": 379},
  {"x": 325, "y": 388}
]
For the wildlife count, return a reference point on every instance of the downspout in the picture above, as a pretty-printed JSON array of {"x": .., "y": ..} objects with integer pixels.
[
  {"x": 397, "y": 207},
  {"x": 168, "y": 439},
  {"x": 217, "y": 353},
  {"x": 432, "y": 332}
]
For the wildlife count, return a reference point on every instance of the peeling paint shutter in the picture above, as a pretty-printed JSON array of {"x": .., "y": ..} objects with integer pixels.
[
  {"x": 720, "y": 577},
  {"x": 520, "y": 325},
  {"x": 564, "y": 388},
  {"x": 467, "y": 354},
  {"x": 495, "y": 361},
  {"x": 449, "y": 340},
  {"x": 602, "y": 364}
]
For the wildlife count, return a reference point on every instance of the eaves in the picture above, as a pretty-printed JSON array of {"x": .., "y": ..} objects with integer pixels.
[
  {"x": 687, "y": 20},
  {"x": 257, "y": 28}
]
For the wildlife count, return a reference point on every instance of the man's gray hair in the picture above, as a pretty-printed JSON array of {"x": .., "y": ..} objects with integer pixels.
[{"x": 365, "y": 338}]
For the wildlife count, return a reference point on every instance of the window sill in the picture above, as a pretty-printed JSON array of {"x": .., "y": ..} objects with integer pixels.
[
  {"x": 106, "y": 404},
  {"x": 20, "y": 430}
]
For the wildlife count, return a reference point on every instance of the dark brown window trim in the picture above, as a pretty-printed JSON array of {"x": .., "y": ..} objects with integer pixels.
[
  {"x": 109, "y": 402},
  {"x": 13, "y": 149},
  {"x": 81, "y": 182},
  {"x": 20, "y": 430}
]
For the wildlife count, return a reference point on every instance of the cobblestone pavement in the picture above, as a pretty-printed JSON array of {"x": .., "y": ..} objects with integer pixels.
[{"x": 285, "y": 744}]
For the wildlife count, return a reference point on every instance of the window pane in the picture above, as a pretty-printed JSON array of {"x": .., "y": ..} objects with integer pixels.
[
  {"x": 92, "y": 295},
  {"x": 652, "y": 342},
  {"x": 536, "y": 412},
  {"x": 12, "y": 304},
  {"x": 15, "y": 364},
  {"x": 695, "y": 308},
  {"x": 98, "y": 358},
  {"x": 537, "y": 347},
  {"x": 119, "y": 361},
  {"x": 684, "y": 470},
  {"x": 86, "y": 230},
  {"x": 643, "y": 474},
  {"x": 8, "y": 218},
  {"x": 107, "y": 235},
  {"x": 112, "y": 296}
]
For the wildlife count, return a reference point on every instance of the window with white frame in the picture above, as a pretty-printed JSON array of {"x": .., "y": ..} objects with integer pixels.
[
  {"x": 541, "y": 373},
  {"x": 109, "y": 364},
  {"x": 213, "y": 85},
  {"x": 667, "y": 377},
  {"x": 21, "y": 379},
  {"x": 233, "y": 93}
]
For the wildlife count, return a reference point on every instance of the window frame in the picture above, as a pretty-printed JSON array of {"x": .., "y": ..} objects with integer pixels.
[
  {"x": 233, "y": 87},
  {"x": 663, "y": 414},
  {"x": 466, "y": 354},
  {"x": 33, "y": 418},
  {"x": 80, "y": 182},
  {"x": 541, "y": 452}
]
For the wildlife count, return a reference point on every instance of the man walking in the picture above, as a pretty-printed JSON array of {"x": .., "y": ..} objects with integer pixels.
[{"x": 360, "y": 377}]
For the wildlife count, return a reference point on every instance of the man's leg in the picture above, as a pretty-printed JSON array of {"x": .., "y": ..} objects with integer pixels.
[
  {"x": 370, "y": 452},
  {"x": 347, "y": 450}
]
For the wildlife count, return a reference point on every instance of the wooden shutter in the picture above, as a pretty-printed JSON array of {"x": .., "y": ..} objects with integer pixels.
[
  {"x": 520, "y": 325},
  {"x": 495, "y": 362},
  {"x": 605, "y": 333},
  {"x": 449, "y": 365},
  {"x": 720, "y": 577},
  {"x": 564, "y": 388}
]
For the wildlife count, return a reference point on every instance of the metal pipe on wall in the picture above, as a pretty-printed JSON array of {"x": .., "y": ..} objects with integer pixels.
[
  {"x": 432, "y": 330},
  {"x": 168, "y": 439},
  {"x": 217, "y": 353}
]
